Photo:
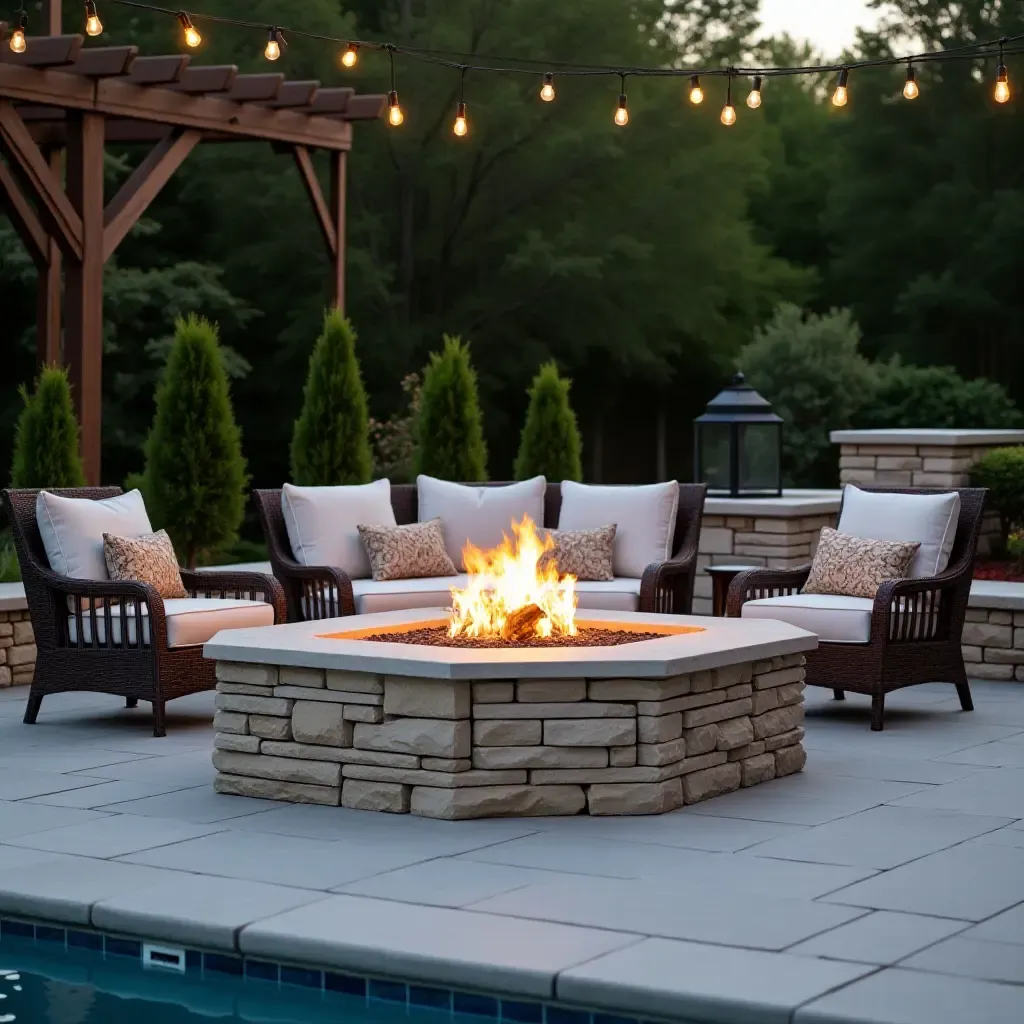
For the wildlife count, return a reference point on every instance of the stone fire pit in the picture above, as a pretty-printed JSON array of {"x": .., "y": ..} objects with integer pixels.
[{"x": 316, "y": 713}]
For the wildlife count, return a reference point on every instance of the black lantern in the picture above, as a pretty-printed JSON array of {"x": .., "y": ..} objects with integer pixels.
[{"x": 738, "y": 444}]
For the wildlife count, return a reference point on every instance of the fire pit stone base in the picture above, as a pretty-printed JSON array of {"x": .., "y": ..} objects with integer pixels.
[{"x": 467, "y": 749}]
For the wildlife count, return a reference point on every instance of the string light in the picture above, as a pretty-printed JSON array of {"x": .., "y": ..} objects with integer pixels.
[
  {"x": 754, "y": 96},
  {"x": 547, "y": 90},
  {"x": 840, "y": 96},
  {"x": 395, "y": 115},
  {"x": 192, "y": 36},
  {"x": 93, "y": 25},
  {"x": 1002, "y": 93},
  {"x": 274, "y": 41},
  {"x": 622, "y": 111},
  {"x": 351, "y": 55},
  {"x": 910, "y": 89},
  {"x": 696, "y": 92},
  {"x": 18, "y": 43},
  {"x": 461, "y": 126},
  {"x": 728, "y": 117}
]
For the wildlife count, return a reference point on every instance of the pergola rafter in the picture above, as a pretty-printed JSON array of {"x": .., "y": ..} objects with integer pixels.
[{"x": 61, "y": 102}]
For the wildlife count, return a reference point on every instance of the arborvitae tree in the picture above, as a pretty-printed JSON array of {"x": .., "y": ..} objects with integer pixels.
[
  {"x": 449, "y": 430},
  {"x": 46, "y": 450},
  {"x": 331, "y": 439},
  {"x": 550, "y": 443},
  {"x": 195, "y": 479}
]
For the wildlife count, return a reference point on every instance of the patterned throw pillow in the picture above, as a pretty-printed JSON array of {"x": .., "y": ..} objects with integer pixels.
[
  {"x": 585, "y": 554},
  {"x": 147, "y": 559},
  {"x": 407, "y": 552},
  {"x": 856, "y": 567}
]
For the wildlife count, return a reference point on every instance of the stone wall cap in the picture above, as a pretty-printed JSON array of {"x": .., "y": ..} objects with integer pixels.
[
  {"x": 928, "y": 436},
  {"x": 12, "y": 597},
  {"x": 997, "y": 594},
  {"x": 794, "y": 504}
]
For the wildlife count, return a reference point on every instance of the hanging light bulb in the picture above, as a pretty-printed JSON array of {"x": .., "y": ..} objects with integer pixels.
[
  {"x": 461, "y": 126},
  {"x": 273, "y": 50},
  {"x": 910, "y": 89},
  {"x": 18, "y": 43},
  {"x": 1002, "y": 93},
  {"x": 93, "y": 25},
  {"x": 351, "y": 55},
  {"x": 754, "y": 96},
  {"x": 622, "y": 111},
  {"x": 395, "y": 115},
  {"x": 840, "y": 96},
  {"x": 547, "y": 90},
  {"x": 728, "y": 117},
  {"x": 696, "y": 92},
  {"x": 192, "y": 36}
]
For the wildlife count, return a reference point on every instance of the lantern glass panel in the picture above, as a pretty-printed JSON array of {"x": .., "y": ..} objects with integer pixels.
[
  {"x": 759, "y": 457},
  {"x": 714, "y": 455}
]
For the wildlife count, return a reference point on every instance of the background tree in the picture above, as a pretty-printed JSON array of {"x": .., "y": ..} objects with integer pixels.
[
  {"x": 449, "y": 430},
  {"x": 46, "y": 450},
  {"x": 550, "y": 442},
  {"x": 195, "y": 478},
  {"x": 330, "y": 442}
]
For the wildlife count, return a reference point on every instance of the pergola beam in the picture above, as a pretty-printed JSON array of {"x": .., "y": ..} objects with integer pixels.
[
  {"x": 105, "y": 61},
  {"x": 162, "y": 70},
  {"x": 144, "y": 185},
  {"x": 304, "y": 162},
  {"x": 44, "y": 52},
  {"x": 212, "y": 78}
]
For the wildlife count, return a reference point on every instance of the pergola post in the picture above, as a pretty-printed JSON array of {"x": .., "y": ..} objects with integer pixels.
[
  {"x": 339, "y": 182},
  {"x": 84, "y": 292}
]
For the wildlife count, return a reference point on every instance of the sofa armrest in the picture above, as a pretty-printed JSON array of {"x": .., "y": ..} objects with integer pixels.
[
  {"x": 243, "y": 585},
  {"x": 323, "y": 590},
  {"x": 667, "y": 587},
  {"x": 918, "y": 610},
  {"x": 755, "y": 584}
]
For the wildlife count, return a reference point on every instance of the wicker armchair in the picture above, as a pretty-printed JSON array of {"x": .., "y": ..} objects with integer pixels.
[
  {"x": 323, "y": 592},
  {"x": 111, "y": 637},
  {"x": 915, "y": 627}
]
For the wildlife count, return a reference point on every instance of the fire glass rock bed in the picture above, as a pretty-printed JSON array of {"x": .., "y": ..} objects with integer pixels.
[{"x": 316, "y": 712}]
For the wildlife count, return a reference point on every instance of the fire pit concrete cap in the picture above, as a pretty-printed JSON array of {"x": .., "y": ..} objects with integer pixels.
[{"x": 721, "y": 642}]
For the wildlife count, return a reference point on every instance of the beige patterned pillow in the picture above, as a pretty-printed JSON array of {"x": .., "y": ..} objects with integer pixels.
[
  {"x": 407, "y": 552},
  {"x": 585, "y": 554},
  {"x": 147, "y": 559},
  {"x": 855, "y": 566}
]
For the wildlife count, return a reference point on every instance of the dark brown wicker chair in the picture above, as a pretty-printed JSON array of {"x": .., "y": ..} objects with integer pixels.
[
  {"x": 323, "y": 592},
  {"x": 110, "y": 652},
  {"x": 916, "y": 624}
]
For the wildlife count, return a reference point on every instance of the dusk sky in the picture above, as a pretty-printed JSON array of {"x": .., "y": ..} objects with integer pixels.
[{"x": 829, "y": 24}]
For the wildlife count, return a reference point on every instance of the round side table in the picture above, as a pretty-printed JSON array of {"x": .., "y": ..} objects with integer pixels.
[{"x": 721, "y": 577}]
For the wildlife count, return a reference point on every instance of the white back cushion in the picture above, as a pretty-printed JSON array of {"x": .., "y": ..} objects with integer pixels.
[
  {"x": 72, "y": 530},
  {"x": 321, "y": 523},
  {"x": 479, "y": 515},
  {"x": 645, "y": 519},
  {"x": 930, "y": 519}
]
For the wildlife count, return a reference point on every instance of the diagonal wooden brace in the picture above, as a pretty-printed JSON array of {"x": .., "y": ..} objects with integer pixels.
[
  {"x": 23, "y": 216},
  {"x": 304, "y": 162}
]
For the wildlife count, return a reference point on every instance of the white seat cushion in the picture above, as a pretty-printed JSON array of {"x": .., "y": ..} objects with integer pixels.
[
  {"x": 621, "y": 594},
  {"x": 841, "y": 619},
  {"x": 72, "y": 530},
  {"x": 479, "y": 515},
  {"x": 930, "y": 519},
  {"x": 645, "y": 520},
  {"x": 321, "y": 523},
  {"x": 190, "y": 621}
]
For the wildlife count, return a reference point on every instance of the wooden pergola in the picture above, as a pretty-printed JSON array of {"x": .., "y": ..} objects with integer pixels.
[{"x": 61, "y": 102}]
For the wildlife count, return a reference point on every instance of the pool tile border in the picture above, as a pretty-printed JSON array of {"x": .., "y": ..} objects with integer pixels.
[{"x": 371, "y": 988}]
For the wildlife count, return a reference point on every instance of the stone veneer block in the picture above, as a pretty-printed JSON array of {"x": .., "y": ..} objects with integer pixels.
[
  {"x": 659, "y": 728},
  {"x": 445, "y": 764},
  {"x": 513, "y": 732},
  {"x": 635, "y": 798},
  {"x": 496, "y": 801},
  {"x": 584, "y": 709},
  {"x": 701, "y": 740},
  {"x": 231, "y": 721},
  {"x": 703, "y": 785},
  {"x": 774, "y": 723},
  {"x": 716, "y": 713},
  {"x": 737, "y": 732},
  {"x": 274, "y": 706},
  {"x": 331, "y": 696},
  {"x": 493, "y": 693},
  {"x": 256, "y": 675},
  {"x": 232, "y": 741},
  {"x": 272, "y": 789},
  {"x": 475, "y": 777},
  {"x": 270, "y": 728},
  {"x": 340, "y": 755},
  {"x": 433, "y": 737},
  {"x": 622, "y": 757},
  {"x": 246, "y": 688},
  {"x": 590, "y": 732},
  {"x": 638, "y": 689},
  {"x": 355, "y": 682},
  {"x": 311, "y": 677},
  {"x": 786, "y": 739},
  {"x": 540, "y": 757},
  {"x": 536, "y": 691},
  {"x": 779, "y": 677},
  {"x": 375, "y": 796},
  {"x": 319, "y": 722},
  {"x": 426, "y": 698},
  {"x": 661, "y": 753},
  {"x": 279, "y": 769},
  {"x": 756, "y": 769},
  {"x": 789, "y": 760},
  {"x": 362, "y": 713}
]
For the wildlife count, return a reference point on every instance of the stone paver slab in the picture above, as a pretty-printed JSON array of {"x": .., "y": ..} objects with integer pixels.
[
  {"x": 188, "y": 769},
  {"x": 882, "y": 837},
  {"x": 83, "y": 759},
  {"x": 104, "y": 794},
  {"x": 887, "y": 769},
  {"x": 972, "y": 958},
  {"x": 22, "y": 819},
  {"x": 451, "y": 947},
  {"x": 199, "y": 804},
  {"x": 998, "y": 791},
  {"x": 895, "y": 996},
  {"x": 1005, "y": 927},
  {"x": 16, "y": 784},
  {"x": 1001, "y": 754},
  {"x": 685, "y": 980},
  {"x": 879, "y": 938},
  {"x": 195, "y": 909}
]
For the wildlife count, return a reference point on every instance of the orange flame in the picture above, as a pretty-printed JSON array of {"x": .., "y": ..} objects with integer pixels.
[{"x": 509, "y": 578}]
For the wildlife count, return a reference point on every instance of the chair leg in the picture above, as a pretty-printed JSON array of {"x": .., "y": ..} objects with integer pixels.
[
  {"x": 963, "y": 691},
  {"x": 159, "y": 728},
  {"x": 131, "y": 702},
  {"x": 32, "y": 708},
  {"x": 839, "y": 694},
  {"x": 877, "y": 712}
]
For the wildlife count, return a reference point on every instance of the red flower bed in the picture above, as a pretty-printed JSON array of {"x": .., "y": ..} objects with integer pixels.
[{"x": 1009, "y": 572}]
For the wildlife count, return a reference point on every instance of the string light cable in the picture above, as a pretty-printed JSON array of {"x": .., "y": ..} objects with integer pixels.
[{"x": 464, "y": 63}]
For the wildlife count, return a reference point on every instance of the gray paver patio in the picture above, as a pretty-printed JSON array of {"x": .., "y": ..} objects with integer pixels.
[{"x": 899, "y": 853}]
